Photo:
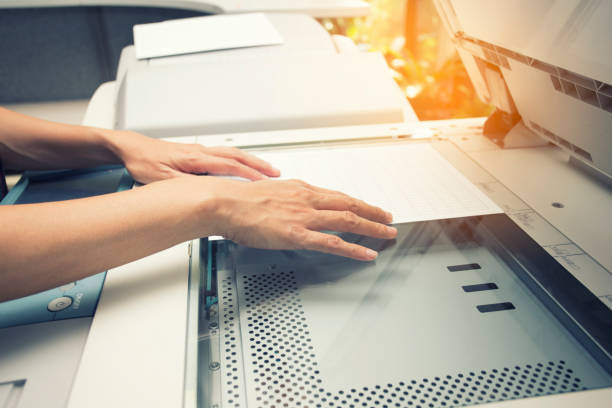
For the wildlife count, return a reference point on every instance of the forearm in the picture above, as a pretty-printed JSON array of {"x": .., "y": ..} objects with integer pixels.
[
  {"x": 28, "y": 143},
  {"x": 47, "y": 245}
]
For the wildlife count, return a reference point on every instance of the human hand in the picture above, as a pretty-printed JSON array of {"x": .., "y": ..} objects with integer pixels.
[
  {"x": 273, "y": 214},
  {"x": 149, "y": 159}
]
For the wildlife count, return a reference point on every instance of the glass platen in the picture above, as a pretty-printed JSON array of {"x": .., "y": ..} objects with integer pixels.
[{"x": 452, "y": 313}]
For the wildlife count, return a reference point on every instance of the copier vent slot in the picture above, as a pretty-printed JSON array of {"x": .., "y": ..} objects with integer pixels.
[
  {"x": 587, "y": 90},
  {"x": 495, "y": 307},
  {"x": 283, "y": 363},
  {"x": 479, "y": 287},
  {"x": 465, "y": 267}
]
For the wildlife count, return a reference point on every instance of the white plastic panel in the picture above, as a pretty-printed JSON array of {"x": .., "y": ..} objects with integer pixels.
[
  {"x": 136, "y": 345},
  {"x": 572, "y": 34},
  {"x": 572, "y": 119},
  {"x": 10, "y": 393},
  {"x": 542, "y": 176},
  {"x": 265, "y": 94},
  {"x": 44, "y": 355},
  {"x": 101, "y": 108}
]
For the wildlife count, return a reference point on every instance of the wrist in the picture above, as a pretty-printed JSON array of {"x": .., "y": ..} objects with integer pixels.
[
  {"x": 108, "y": 141},
  {"x": 203, "y": 208},
  {"x": 120, "y": 144}
]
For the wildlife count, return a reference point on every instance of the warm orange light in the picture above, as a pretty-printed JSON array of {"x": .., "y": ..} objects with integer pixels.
[{"x": 422, "y": 61}]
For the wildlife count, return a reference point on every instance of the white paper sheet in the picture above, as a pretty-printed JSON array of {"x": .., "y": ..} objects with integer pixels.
[
  {"x": 208, "y": 33},
  {"x": 411, "y": 180}
]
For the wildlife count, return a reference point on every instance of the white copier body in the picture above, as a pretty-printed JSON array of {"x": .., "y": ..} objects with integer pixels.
[{"x": 143, "y": 346}]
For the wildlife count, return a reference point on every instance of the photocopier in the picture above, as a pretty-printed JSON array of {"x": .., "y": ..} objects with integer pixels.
[{"x": 496, "y": 291}]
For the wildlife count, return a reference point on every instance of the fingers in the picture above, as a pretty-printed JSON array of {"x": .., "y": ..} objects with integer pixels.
[
  {"x": 325, "y": 199},
  {"x": 346, "y": 221},
  {"x": 341, "y": 202},
  {"x": 326, "y": 190},
  {"x": 331, "y": 244},
  {"x": 231, "y": 167},
  {"x": 246, "y": 159}
]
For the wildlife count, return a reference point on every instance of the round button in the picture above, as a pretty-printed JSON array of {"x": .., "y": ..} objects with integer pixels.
[{"x": 59, "y": 304}]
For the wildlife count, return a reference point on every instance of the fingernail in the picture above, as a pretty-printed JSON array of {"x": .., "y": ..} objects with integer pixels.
[
  {"x": 392, "y": 230},
  {"x": 389, "y": 216},
  {"x": 371, "y": 254}
]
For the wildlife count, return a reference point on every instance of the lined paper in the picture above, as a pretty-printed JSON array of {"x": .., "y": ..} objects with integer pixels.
[{"x": 412, "y": 180}]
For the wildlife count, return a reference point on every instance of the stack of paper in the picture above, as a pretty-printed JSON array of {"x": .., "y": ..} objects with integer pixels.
[{"x": 199, "y": 34}]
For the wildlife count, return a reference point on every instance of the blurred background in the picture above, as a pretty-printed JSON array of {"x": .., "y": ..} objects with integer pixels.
[
  {"x": 421, "y": 55},
  {"x": 408, "y": 33}
]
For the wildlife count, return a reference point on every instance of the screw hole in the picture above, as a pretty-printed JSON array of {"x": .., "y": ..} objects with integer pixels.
[{"x": 558, "y": 205}]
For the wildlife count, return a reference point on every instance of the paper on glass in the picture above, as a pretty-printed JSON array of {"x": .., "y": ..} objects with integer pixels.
[
  {"x": 411, "y": 180},
  {"x": 208, "y": 33}
]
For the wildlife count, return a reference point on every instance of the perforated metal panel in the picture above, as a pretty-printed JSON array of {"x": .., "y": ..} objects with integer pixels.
[
  {"x": 282, "y": 361},
  {"x": 280, "y": 354},
  {"x": 232, "y": 376}
]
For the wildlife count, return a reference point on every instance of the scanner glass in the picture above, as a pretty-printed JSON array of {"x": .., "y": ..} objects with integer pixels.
[{"x": 453, "y": 312}]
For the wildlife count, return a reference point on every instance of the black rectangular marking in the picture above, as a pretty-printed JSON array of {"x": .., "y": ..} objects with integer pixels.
[
  {"x": 495, "y": 307},
  {"x": 466, "y": 267},
  {"x": 479, "y": 287}
]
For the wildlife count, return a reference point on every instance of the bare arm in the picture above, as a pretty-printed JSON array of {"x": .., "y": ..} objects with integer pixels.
[
  {"x": 27, "y": 143},
  {"x": 47, "y": 245}
]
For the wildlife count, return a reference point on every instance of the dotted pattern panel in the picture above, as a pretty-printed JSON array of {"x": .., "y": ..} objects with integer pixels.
[
  {"x": 278, "y": 350},
  {"x": 281, "y": 364},
  {"x": 232, "y": 374},
  {"x": 463, "y": 389}
]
